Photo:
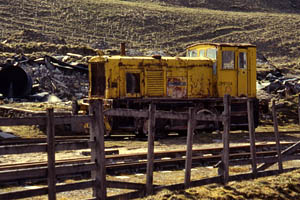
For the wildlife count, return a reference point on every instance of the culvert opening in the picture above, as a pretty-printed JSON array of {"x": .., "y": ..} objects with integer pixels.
[{"x": 14, "y": 82}]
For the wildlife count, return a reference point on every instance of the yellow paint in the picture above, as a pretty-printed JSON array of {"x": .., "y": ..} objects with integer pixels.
[
  {"x": 178, "y": 77},
  {"x": 236, "y": 81}
]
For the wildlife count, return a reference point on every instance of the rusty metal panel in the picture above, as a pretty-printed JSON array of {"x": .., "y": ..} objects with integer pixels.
[
  {"x": 200, "y": 82},
  {"x": 177, "y": 87},
  {"x": 97, "y": 79}
]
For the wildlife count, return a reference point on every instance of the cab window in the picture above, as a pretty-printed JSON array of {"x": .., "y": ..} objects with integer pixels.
[
  {"x": 192, "y": 53},
  {"x": 243, "y": 60},
  {"x": 202, "y": 53},
  {"x": 228, "y": 60},
  {"x": 211, "y": 53}
]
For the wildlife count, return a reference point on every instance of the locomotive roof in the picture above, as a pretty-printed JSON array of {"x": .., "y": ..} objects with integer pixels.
[
  {"x": 123, "y": 58},
  {"x": 223, "y": 44}
]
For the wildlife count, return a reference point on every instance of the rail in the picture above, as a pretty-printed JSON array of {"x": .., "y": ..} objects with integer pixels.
[{"x": 98, "y": 163}]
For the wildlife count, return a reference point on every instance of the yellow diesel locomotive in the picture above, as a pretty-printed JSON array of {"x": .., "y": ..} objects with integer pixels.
[{"x": 201, "y": 79}]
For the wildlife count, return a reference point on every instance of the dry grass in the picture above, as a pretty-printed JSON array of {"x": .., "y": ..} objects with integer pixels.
[
  {"x": 150, "y": 25},
  {"x": 284, "y": 186}
]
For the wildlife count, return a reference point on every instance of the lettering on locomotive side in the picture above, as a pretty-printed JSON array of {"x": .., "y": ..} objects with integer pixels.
[
  {"x": 176, "y": 87},
  {"x": 224, "y": 83}
]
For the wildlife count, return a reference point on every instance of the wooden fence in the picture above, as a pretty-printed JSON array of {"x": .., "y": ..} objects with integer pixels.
[{"x": 97, "y": 164}]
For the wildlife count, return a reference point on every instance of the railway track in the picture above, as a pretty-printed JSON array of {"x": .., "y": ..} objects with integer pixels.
[
  {"x": 16, "y": 141},
  {"x": 163, "y": 160}
]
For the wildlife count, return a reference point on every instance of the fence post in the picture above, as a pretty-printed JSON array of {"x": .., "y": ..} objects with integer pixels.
[
  {"x": 252, "y": 136},
  {"x": 51, "y": 155},
  {"x": 225, "y": 138},
  {"x": 277, "y": 138},
  {"x": 150, "y": 155},
  {"x": 97, "y": 132},
  {"x": 189, "y": 148}
]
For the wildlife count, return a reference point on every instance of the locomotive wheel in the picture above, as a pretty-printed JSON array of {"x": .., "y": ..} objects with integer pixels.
[
  {"x": 160, "y": 132},
  {"x": 205, "y": 126}
]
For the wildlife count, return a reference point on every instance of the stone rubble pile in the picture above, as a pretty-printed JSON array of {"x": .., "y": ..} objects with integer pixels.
[
  {"x": 62, "y": 78},
  {"x": 276, "y": 83},
  {"x": 56, "y": 78},
  {"x": 272, "y": 82}
]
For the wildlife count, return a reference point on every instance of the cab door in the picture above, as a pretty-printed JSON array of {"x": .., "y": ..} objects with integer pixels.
[
  {"x": 227, "y": 71},
  {"x": 242, "y": 72}
]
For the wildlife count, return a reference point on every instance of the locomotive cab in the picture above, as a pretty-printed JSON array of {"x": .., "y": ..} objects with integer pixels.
[{"x": 234, "y": 67}]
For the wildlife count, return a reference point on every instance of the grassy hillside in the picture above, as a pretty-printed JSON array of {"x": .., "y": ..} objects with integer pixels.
[
  {"x": 238, "y": 5},
  {"x": 157, "y": 24}
]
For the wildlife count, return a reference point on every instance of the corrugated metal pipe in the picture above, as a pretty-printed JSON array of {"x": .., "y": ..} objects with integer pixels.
[{"x": 14, "y": 82}]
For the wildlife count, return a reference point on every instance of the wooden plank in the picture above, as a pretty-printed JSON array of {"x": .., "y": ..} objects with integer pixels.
[
  {"x": 196, "y": 183},
  {"x": 125, "y": 185},
  {"x": 266, "y": 160},
  {"x": 224, "y": 167},
  {"x": 51, "y": 155},
  {"x": 30, "y": 173},
  {"x": 22, "y": 174},
  {"x": 44, "y": 190},
  {"x": 75, "y": 186},
  {"x": 250, "y": 109},
  {"x": 291, "y": 149},
  {"x": 73, "y": 119},
  {"x": 35, "y": 148},
  {"x": 129, "y": 195},
  {"x": 126, "y": 113},
  {"x": 24, "y": 193},
  {"x": 41, "y": 120},
  {"x": 63, "y": 146},
  {"x": 23, "y": 121},
  {"x": 277, "y": 138},
  {"x": 206, "y": 181},
  {"x": 97, "y": 132},
  {"x": 287, "y": 151},
  {"x": 189, "y": 148},
  {"x": 75, "y": 168},
  {"x": 150, "y": 155},
  {"x": 30, "y": 141},
  {"x": 20, "y": 149}
]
